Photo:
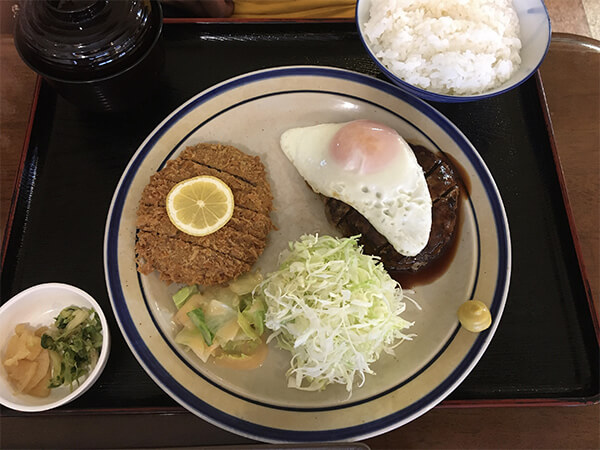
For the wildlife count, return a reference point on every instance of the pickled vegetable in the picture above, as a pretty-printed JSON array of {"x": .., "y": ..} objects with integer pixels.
[{"x": 26, "y": 363}]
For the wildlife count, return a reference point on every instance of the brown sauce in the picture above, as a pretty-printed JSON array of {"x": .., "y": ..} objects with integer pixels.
[
  {"x": 463, "y": 179},
  {"x": 434, "y": 269}
]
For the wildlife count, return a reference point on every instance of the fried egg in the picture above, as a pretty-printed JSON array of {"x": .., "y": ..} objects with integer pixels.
[{"x": 370, "y": 167}]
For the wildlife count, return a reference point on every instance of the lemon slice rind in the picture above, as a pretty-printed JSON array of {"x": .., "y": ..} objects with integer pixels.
[{"x": 213, "y": 192}]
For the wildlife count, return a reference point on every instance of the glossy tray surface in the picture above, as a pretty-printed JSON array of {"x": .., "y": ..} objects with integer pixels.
[{"x": 545, "y": 350}]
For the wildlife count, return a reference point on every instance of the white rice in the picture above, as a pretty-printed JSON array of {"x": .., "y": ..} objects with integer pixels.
[{"x": 457, "y": 47}]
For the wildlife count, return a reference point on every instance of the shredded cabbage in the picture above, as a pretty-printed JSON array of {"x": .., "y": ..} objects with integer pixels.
[{"x": 334, "y": 308}]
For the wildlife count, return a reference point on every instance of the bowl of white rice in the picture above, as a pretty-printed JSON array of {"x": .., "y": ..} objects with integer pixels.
[{"x": 455, "y": 50}]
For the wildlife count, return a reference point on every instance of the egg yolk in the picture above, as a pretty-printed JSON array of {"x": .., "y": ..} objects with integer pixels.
[{"x": 365, "y": 146}]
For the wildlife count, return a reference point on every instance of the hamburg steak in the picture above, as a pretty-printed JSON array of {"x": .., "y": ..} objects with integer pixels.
[{"x": 443, "y": 184}]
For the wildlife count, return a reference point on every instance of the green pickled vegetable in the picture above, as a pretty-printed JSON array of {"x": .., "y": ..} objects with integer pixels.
[
  {"x": 225, "y": 321},
  {"x": 197, "y": 318},
  {"x": 254, "y": 316},
  {"x": 75, "y": 342},
  {"x": 181, "y": 296}
]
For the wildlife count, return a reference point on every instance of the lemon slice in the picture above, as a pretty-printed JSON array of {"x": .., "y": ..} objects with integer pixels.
[{"x": 200, "y": 206}]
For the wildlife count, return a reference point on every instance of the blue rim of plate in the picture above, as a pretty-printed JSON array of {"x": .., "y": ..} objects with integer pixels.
[
  {"x": 445, "y": 98},
  {"x": 161, "y": 376}
]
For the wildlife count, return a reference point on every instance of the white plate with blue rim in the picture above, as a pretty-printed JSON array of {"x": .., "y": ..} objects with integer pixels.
[{"x": 250, "y": 112}]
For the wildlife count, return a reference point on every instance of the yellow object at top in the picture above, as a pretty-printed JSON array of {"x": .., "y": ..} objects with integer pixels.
[{"x": 295, "y": 9}]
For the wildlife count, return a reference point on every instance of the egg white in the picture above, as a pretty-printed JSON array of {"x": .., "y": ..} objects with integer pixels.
[{"x": 395, "y": 199}]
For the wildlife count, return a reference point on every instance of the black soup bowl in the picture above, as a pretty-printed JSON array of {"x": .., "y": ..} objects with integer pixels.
[{"x": 100, "y": 55}]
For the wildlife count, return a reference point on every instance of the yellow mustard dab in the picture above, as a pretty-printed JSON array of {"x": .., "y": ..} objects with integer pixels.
[{"x": 474, "y": 316}]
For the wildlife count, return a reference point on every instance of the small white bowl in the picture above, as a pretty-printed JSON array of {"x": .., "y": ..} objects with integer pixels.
[
  {"x": 536, "y": 33},
  {"x": 38, "y": 306}
]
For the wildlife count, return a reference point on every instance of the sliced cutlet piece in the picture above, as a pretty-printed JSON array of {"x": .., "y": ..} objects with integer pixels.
[
  {"x": 244, "y": 194},
  {"x": 236, "y": 244},
  {"x": 228, "y": 159},
  {"x": 155, "y": 192},
  {"x": 231, "y": 162},
  {"x": 181, "y": 262},
  {"x": 251, "y": 222},
  {"x": 255, "y": 223}
]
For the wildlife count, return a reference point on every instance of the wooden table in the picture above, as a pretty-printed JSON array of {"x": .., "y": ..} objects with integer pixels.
[{"x": 571, "y": 77}]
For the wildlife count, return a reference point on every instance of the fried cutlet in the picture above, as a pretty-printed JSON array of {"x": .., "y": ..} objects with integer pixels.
[{"x": 222, "y": 255}]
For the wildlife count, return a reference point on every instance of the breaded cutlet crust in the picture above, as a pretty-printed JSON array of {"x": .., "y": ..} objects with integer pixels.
[
  {"x": 181, "y": 262},
  {"x": 254, "y": 198},
  {"x": 228, "y": 240},
  {"x": 222, "y": 255},
  {"x": 226, "y": 158}
]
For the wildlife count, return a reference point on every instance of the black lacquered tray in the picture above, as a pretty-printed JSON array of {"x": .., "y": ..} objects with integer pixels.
[{"x": 544, "y": 352}]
